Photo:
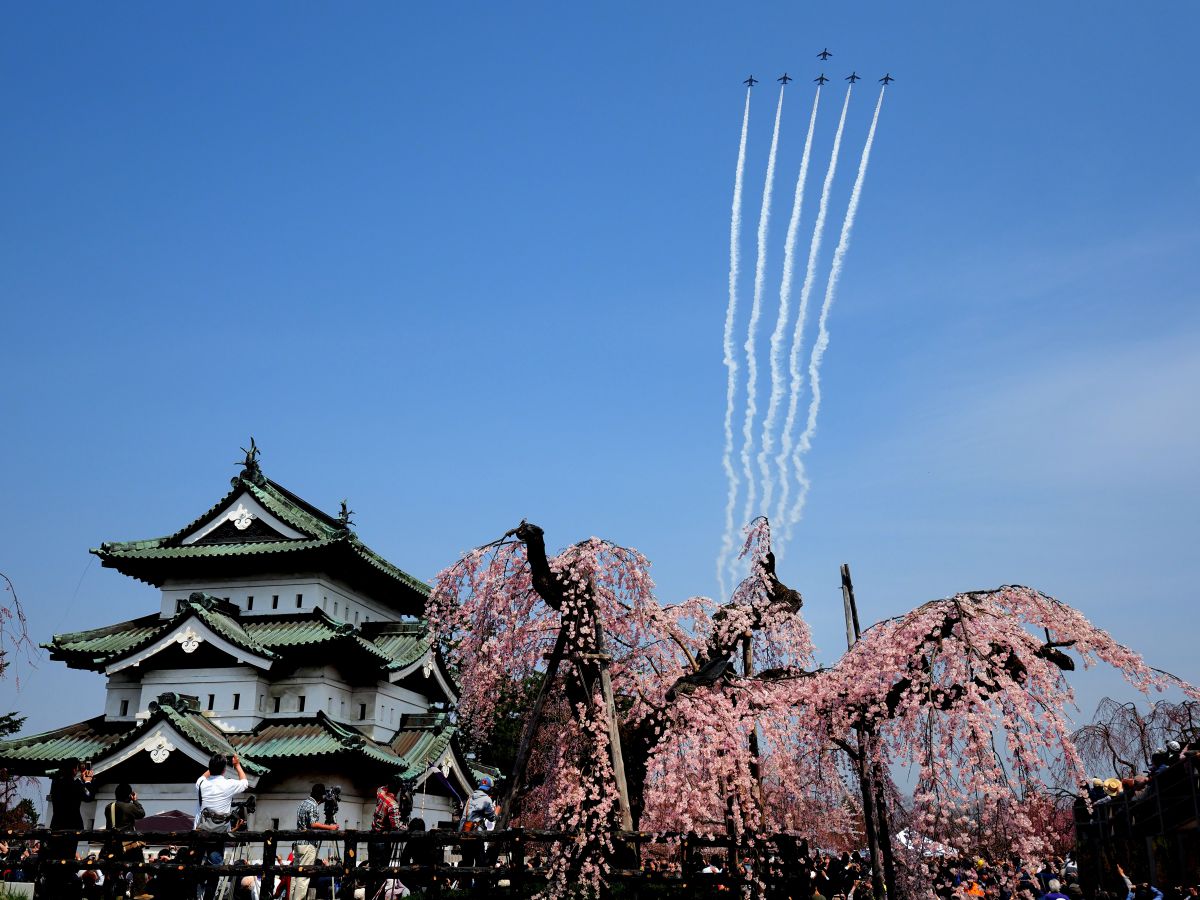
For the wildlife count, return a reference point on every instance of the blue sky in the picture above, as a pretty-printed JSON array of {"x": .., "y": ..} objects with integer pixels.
[{"x": 467, "y": 265}]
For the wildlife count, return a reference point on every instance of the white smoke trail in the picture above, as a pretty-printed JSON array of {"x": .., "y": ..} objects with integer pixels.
[
  {"x": 764, "y": 219},
  {"x": 781, "y": 322},
  {"x": 822, "y": 342},
  {"x": 731, "y": 363},
  {"x": 794, "y": 371}
]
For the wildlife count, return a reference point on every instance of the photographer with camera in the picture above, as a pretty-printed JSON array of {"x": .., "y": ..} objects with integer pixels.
[
  {"x": 215, "y": 792},
  {"x": 69, "y": 790},
  {"x": 307, "y": 820},
  {"x": 123, "y": 843}
]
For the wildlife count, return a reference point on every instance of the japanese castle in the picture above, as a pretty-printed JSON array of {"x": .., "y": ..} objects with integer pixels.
[{"x": 280, "y": 637}]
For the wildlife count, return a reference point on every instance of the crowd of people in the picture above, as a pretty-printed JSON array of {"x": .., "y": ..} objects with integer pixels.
[
  {"x": 1056, "y": 879},
  {"x": 790, "y": 868},
  {"x": 216, "y": 819},
  {"x": 1135, "y": 787}
]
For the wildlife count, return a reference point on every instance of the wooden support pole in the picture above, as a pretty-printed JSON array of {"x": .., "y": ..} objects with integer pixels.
[
  {"x": 610, "y": 717},
  {"x": 529, "y": 732},
  {"x": 862, "y": 766},
  {"x": 869, "y": 773}
]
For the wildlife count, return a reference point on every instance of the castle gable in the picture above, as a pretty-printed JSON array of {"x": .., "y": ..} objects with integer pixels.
[{"x": 243, "y": 520}]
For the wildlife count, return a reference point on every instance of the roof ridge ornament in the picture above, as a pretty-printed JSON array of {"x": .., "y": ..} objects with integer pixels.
[
  {"x": 251, "y": 470},
  {"x": 344, "y": 516}
]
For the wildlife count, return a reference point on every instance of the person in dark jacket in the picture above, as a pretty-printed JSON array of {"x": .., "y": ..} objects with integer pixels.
[
  {"x": 119, "y": 819},
  {"x": 420, "y": 850},
  {"x": 69, "y": 790}
]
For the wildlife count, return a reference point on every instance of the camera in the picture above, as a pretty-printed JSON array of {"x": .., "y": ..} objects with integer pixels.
[
  {"x": 241, "y": 812},
  {"x": 333, "y": 797}
]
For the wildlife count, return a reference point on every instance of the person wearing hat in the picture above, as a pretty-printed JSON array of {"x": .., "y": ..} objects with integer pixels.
[
  {"x": 480, "y": 808},
  {"x": 479, "y": 811}
]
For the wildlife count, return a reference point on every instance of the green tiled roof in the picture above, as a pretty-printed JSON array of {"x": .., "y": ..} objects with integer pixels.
[
  {"x": 41, "y": 753},
  {"x": 421, "y": 748},
  {"x": 203, "y": 733},
  {"x": 339, "y": 547},
  {"x": 403, "y": 643},
  {"x": 390, "y": 645},
  {"x": 411, "y": 751},
  {"x": 109, "y": 642}
]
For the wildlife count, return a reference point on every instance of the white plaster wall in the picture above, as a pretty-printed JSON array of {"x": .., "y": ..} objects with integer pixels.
[
  {"x": 245, "y": 681},
  {"x": 123, "y": 686},
  {"x": 337, "y": 599},
  {"x": 321, "y": 687}
]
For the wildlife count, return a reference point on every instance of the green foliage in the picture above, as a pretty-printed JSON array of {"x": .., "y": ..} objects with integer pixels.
[{"x": 23, "y": 814}]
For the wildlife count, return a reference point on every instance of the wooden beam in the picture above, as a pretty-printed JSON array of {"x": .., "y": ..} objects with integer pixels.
[
  {"x": 610, "y": 716},
  {"x": 529, "y": 732}
]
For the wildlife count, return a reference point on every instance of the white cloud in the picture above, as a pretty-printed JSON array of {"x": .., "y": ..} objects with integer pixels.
[{"x": 1116, "y": 416}]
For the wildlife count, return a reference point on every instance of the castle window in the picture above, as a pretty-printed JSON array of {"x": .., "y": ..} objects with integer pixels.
[
  {"x": 277, "y": 704},
  {"x": 124, "y": 707},
  {"x": 274, "y": 824},
  {"x": 249, "y": 603},
  {"x": 299, "y": 601},
  {"x": 335, "y": 607},
  {"x": 274, "y": 601},
  {"x": 342, "y": 709},
  {"x": 237, "y": 700},
  {"x": 212, "y": 699},
  {"x": 356, "y": 617},
  {"x": 362, "y": 712},
  {"x": 301, "y": 706}
]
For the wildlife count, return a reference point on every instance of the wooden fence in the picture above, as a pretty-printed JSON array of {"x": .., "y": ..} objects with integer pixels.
[{"x": 514, "y": 859}]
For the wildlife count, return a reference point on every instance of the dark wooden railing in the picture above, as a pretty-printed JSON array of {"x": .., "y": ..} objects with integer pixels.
[{"x": 514, "y": 857}]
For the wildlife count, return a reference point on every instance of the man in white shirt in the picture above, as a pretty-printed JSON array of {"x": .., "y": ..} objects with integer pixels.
[
  {"x": 215, "y": 792},
  {"x": 215, "y": 789}
]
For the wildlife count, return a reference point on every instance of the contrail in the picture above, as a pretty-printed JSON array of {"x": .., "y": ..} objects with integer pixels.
[
  {"x": 810, "y": 274},
  {"x": 818, "y": 351},
  {"x": 764, "y": 219},
  {"x": 781, "y": 323},
  {"x": 731, "y": 364}
]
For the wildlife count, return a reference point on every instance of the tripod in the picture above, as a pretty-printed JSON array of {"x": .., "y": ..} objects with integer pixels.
[
  {"x": 387, "y": 888},
  {"x": 227, "y": 885}
]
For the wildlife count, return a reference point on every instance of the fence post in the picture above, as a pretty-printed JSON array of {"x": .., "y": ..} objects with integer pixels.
[
  {"x": 516, "y": 860},
  {"x": 350, "y": 858},
  {"x": 269, "y": 854}
]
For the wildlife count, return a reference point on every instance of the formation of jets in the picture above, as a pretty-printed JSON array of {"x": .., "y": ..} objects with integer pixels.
[{"x": 821, "y": 79}]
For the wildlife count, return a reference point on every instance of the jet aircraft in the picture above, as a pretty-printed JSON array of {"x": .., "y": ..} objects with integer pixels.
[
  {"x": 853, "y": 77},
  {"x": 886, "y": 79},
  {"x": 824, "y": 54},
  {"x": 751, "y": 81},
  {"x": 785, "y": 78},
  {"x": 821, "y": 79}
]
